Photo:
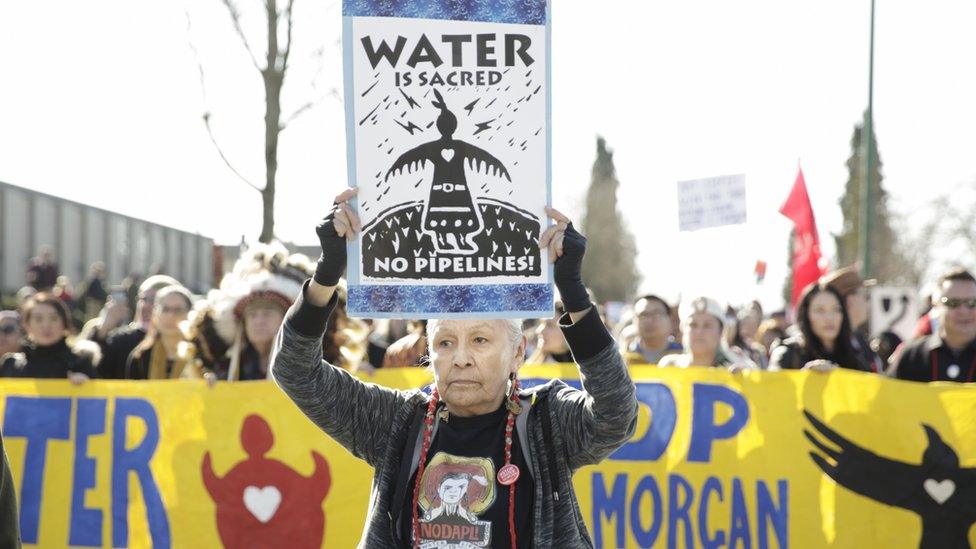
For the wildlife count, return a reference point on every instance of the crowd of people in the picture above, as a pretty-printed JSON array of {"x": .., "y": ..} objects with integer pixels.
[{"x": 157, "y": 329}]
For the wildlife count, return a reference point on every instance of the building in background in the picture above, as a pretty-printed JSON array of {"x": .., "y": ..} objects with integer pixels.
[{"x": 79, "y": 235}]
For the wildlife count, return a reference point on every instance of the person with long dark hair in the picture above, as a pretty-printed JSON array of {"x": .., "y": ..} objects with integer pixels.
[{"x": 824, "y": 341}]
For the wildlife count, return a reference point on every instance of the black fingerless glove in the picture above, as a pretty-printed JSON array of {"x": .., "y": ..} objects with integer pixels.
[
  {"x": 568, "y": 272},
  {"x": 332, "y": 262}
]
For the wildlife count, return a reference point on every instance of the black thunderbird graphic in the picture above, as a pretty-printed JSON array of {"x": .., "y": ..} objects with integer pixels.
[{"x": 941, "y": 492}]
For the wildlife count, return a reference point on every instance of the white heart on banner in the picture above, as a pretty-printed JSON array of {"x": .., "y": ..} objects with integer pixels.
[
  {"x": 939, "y": 491},
  {"x": 262, "y": 502}
]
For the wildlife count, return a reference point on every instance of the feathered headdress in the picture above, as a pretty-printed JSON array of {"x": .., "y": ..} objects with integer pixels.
[{"x": 264, "y": 273}]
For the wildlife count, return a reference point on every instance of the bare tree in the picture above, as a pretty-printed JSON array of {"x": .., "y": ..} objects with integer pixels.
[
  {"x": 946, "y": 235},
  {"x": 273, "y": 69}
]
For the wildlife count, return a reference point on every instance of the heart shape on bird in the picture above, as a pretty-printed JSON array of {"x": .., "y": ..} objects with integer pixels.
[
  {"x": 262, "y": 502},
  {"x": 939, "y": 491},
  {"x": 447, "y": 154}
]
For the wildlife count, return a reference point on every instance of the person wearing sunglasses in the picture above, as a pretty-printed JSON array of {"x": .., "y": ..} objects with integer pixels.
[
  {"x": 158, "y": 355},
  {"x": 950, "y": 353},
  {"x": 10, "y": 332}
]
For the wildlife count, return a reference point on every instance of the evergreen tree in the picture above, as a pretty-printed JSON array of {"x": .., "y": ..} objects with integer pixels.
[
  {"x": 888, "y": 261},
  {"x": 788, "y": 283},
  {"x": 609, "y": 267}
]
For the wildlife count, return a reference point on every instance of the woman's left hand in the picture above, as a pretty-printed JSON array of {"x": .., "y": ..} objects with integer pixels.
[{"x": 566, "y": 250}]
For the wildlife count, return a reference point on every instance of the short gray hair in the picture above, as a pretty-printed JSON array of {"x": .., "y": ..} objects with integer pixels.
[{"x": 513, "y": 329}]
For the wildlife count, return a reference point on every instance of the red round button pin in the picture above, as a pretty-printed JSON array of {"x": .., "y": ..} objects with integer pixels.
[{"x": 508, "y": 474}]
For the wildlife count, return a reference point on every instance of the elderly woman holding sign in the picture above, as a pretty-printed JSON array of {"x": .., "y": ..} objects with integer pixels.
[{"x": 479, "y": 462}]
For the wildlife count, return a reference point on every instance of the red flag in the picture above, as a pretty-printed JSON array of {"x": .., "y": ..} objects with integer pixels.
[
  {"x": 806, "y": 246},
  {"x": 760, "y": 271}
]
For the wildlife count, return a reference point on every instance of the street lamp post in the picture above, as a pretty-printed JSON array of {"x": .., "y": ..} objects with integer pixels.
[{"x": 867, "y": 192}]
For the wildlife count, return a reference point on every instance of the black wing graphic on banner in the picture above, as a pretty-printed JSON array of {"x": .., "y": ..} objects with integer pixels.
[{"x": 941, "y": 492}]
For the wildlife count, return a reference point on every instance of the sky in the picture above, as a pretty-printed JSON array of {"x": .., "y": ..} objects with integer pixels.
[{"x": 102, "y": 102}]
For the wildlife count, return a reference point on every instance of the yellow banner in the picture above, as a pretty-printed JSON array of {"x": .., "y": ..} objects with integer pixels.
[{"x": 745, "y": 460}]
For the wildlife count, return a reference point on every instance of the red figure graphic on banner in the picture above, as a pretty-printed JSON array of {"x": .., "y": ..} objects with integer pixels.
[{"x": 263, "y": 502}]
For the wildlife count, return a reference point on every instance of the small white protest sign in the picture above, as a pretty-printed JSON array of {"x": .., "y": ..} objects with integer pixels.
[
  {"x": 711, "y": 202},
  {"x": 893, "y": 310}
]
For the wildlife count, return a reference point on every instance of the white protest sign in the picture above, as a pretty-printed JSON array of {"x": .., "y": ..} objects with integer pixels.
[
  {"x": 447, "y": 129},
  {"x": 893, "y": 310},
  {"x": 711, "y": 202}
]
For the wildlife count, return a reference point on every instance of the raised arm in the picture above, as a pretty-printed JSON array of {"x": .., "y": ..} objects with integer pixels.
[
  {"x": 354, "y": 413},
  {"x": 603, "y": 416}
]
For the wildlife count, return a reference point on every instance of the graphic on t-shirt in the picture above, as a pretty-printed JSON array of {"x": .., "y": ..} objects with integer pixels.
[{"x": 454, "y": 492}]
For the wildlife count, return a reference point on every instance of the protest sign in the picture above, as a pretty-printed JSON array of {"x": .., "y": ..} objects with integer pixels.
[
  {"x": 893, "y": 309},
  {"x": 447, "y": 130},
  {"x": 711, "y": 202}
]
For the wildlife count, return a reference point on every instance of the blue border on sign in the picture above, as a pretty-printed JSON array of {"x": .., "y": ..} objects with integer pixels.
[{"x": 519, "y": 12}]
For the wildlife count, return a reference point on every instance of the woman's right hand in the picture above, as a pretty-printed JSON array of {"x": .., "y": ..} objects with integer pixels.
[{"x": 341, "y": 224}]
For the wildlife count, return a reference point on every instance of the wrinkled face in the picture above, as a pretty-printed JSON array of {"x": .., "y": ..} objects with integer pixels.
[
  {"x": 9, "y": 336},
  {"x": 652, "y": 319},
  {"x": 452, "y": 490},
  {"x": 44, "y": 325},
  {"x": 960, "y": 320},
  {"x": 857, "y": 307},
  {"x": 704, "y": 333},
  {"x": 261, "y": 323},
  {"x": 472, "y": 360},
  {"x": 826, "y": 317},
  {"x": 169, "y": 312},
  {"x": 551, "y": 338}
]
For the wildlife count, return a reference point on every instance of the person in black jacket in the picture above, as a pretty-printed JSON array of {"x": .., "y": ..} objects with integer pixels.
[
  {"x": 46, "y": 353},
  {"x": 824, "y": 341},
  {"x": 950, "y": 353}
]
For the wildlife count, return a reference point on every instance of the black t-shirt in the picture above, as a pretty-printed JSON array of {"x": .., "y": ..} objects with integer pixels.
[{"x": 463, "y": 506}]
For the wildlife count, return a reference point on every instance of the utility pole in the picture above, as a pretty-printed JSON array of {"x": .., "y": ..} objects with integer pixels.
[{"x": 867, "y": 194}]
